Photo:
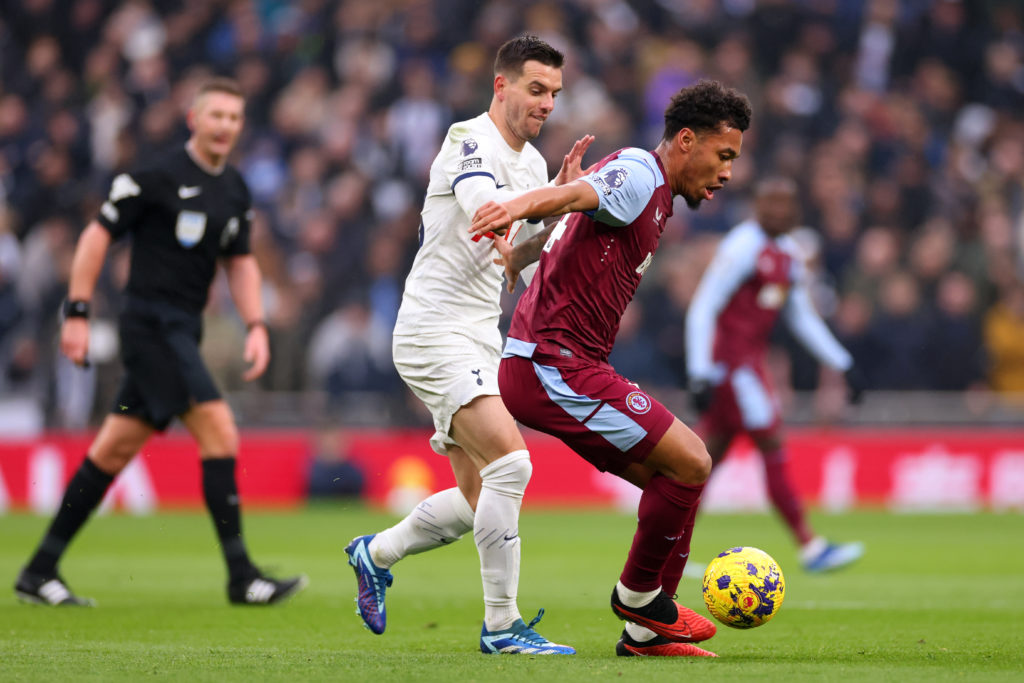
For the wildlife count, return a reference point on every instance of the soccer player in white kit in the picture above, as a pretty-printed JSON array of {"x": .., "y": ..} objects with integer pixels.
[{"x": 447, "y": 348}]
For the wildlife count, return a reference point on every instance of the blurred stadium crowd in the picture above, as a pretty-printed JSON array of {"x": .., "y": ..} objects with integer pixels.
[{"x": 901, "y": 120}]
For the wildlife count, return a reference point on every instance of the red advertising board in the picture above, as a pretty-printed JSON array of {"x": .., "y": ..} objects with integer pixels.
[{"x": 912, "y": 469}]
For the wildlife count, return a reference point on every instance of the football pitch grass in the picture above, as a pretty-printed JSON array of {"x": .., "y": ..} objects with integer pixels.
[{"x": 937, "y": 597}]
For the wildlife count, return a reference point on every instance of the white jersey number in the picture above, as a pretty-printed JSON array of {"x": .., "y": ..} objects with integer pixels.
[{"x": 557, "y": 233}]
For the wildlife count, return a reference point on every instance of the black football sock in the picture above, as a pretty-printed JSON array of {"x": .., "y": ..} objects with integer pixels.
[
  {"x": 221, "y": 493},
  {"x": 83, "y": 494}
]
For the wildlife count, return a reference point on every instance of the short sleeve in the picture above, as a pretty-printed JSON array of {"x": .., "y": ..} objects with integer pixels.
[
  {"x": 129, "y": 194},
  {"x": 235, "y": 240},
  {"x": 467, "y": 156},
  {"x": 624, "y": 187}
]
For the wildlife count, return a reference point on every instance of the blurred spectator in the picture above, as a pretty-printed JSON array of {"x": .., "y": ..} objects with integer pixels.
[
  {"x": 956, "y": 353},
  {"x": 1004, "y": 341},
  {"x": 900, "y": 336},
  {"x": 333, "y": 471},
  {"x": 902, "y": 119}
]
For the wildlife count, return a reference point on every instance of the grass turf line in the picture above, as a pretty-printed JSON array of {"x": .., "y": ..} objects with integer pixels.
[{"x": 937, "y": 597}]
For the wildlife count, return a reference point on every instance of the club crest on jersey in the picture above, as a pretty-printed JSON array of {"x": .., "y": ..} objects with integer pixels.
[
  {"x": 772, "y": 296},
  {"x": 638, "y": 402},
  {"x": 190, "y": 228},
  {"x": 612, "y": 179},
  {"x": 468, "y": 146},
  {"x": 227, "y": 236}
]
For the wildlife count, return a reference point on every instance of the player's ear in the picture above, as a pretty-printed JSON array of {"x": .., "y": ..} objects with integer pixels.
[
  {"x": 686, "y": 139},
  {"x": 190, "y": 119},
  {"x": 500, "y": 84}
]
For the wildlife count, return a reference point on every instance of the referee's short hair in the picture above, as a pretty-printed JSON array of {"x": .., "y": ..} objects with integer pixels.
[{"x": 221, "y": 84}]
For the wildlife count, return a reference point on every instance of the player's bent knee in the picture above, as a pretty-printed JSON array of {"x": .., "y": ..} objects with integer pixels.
[
  {"x": 509, "y": 474},
  {"x": 111, "y": 461}
]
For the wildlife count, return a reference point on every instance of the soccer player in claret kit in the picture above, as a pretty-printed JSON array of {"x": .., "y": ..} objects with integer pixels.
[
  {"x": 447, "y": 346},
  {"x": 185, "y": 212},
  {"x": 755, "y": 277},
  {"x": 554, "y": 374}
]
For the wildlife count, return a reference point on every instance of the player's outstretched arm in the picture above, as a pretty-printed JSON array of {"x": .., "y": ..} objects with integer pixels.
[
  {"x": 90, "y": 252},
  {"x": 534, "y": 205},
  {"x": 572, "y": 164},
  {"x": 244, "y": 281}
]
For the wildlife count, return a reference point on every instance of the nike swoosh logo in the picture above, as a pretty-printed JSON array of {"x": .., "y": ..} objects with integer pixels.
[
  {"x": 512, "y": 538},
  {"x": 189, "y": 192},
  {"x": 659, "y": 627}
]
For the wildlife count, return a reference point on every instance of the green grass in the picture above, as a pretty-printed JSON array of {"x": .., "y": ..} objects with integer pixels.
[{"x": 936, "y": 598}]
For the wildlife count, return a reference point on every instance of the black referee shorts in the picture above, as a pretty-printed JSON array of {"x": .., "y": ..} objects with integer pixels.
[{"x": 164, "y": 373}]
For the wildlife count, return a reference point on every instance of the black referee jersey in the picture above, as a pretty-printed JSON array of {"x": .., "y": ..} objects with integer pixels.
[{"x": 181, "y": 219}]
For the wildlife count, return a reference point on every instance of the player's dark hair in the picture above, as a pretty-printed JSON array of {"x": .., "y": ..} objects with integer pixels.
[
  {"x": 220, "y": 84},
  {"x": 706, "y": 106},
  {"x": 516, "y": 52}
]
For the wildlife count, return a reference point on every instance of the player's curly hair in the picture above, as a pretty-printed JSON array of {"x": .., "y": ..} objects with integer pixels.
[
  {"x": 516, "y": 52},
  {"x": 706, "y": 106}
]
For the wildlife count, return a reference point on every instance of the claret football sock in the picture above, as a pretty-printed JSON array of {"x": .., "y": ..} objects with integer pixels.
[
  {"x": 672, "y": 572},
  {"x": 783, "y": 497},
  {"x": 439, "y": 520},
  {"x": 221, "y": 493},
  {"x": 665, "y": 508},
  {"x": 83, "y": 493}
]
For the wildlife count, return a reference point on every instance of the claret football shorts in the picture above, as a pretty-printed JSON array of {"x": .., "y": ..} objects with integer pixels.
[{"x": 604, "y": 417}]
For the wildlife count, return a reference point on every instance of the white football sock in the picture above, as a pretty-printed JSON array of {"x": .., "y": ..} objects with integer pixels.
[
  {"x": 632, "y": 598},
  {"x": 439, "y": 520},
  {"x": 639, "y": 633},
  {"x": 496, "y": 532},
  {"x": 814, "y": 547}
]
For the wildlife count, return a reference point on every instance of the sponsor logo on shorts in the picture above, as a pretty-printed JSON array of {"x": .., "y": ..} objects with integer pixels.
[{"x": 638, "y": 402}]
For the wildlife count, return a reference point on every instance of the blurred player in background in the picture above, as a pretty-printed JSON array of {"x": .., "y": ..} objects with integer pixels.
[
  {"x": 447, "y": 346},
  {"x": 554, "y": 374},
  {"x": 185, "y": 212},
  {"x": 755, "y": 276}
]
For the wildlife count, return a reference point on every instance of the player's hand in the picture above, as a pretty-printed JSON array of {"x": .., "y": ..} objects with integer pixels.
[
  {"x": 573, "y": 162},
  {"x": 491, "y": 217},
  {"x": 701, "y": 394},
  {"x": 507, "y": 261},
  {"x": 257, "y": 351},
  {"x": 856, "y": 383},
  {"x": 74, "y": 340}
]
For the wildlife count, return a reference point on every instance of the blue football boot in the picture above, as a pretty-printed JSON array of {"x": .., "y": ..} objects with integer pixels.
[
  {"x": 834, "y": 556},
  {"x": 373, "y": 582},
  {"x": 520, "y": 639}
]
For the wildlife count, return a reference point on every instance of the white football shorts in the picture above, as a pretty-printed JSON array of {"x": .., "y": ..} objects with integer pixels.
[{"x": 446, "y": 371}]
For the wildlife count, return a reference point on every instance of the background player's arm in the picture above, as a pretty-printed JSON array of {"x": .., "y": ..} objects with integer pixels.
[
  {"x": 733, "y": 263},
  {"x": 535, "y": 204},
  {"x": 90, "y": 253},
  {"x": 244, "y": 281},
  {"x": 808, "y": 327}
]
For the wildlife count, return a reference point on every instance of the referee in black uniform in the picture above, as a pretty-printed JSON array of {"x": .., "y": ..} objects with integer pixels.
[{"x": 185, "y": 212}]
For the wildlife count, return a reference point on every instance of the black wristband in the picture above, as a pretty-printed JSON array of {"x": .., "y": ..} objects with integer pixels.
[
  {"x": 255, "y": 323},
  {"x": 76, "y": 309}
]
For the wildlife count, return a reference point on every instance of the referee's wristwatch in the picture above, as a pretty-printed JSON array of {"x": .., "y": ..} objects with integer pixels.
[{"x": 76, "y": 308}]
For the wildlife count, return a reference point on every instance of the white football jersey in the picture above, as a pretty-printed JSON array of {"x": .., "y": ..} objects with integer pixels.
[{"x": 454, "y": 285}]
